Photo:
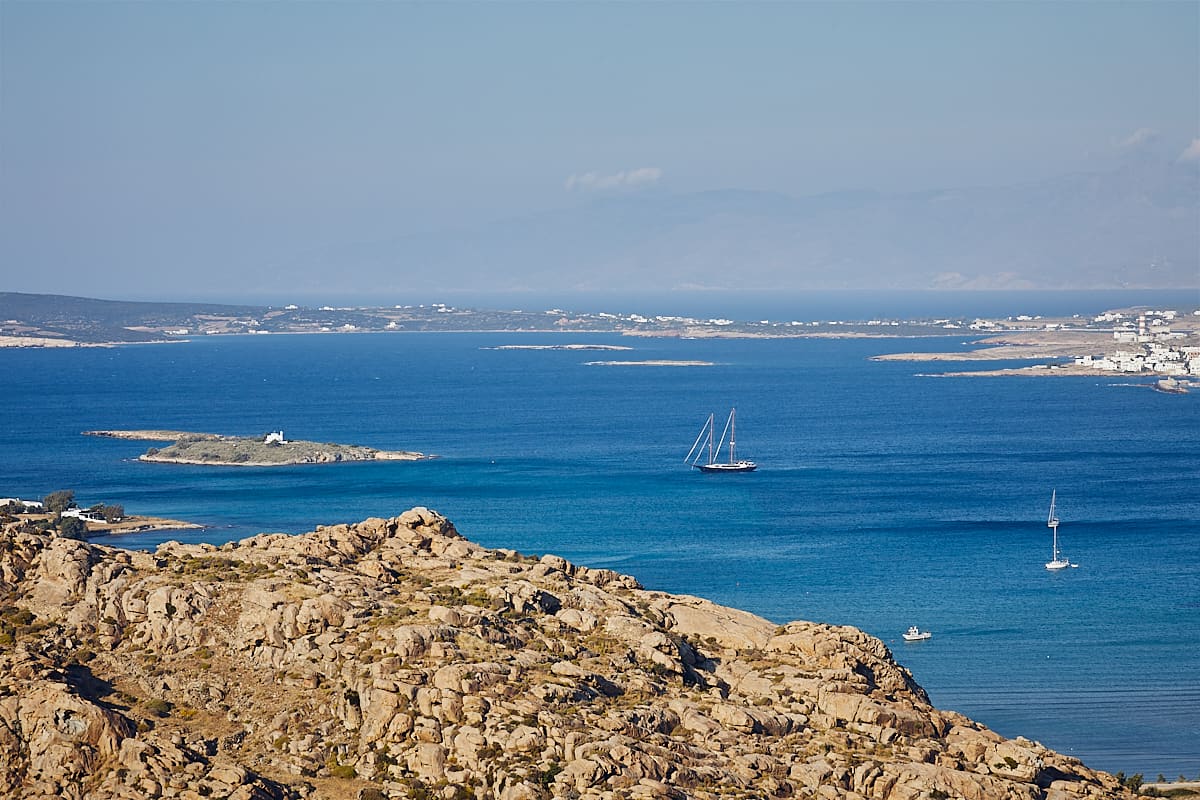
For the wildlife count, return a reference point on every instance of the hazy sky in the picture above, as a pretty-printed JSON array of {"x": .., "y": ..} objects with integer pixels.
[{"x": 165, "y": 148}]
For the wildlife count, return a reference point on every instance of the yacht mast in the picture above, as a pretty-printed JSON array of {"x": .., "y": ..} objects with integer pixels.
[
  {"x": 1052, "y": 524},
  {"x": 732, "y": 434},
  {"x": 710, "y": 437}
]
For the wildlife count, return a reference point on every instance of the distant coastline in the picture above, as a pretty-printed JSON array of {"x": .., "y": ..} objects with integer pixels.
[
  {"x": 1160, "y": 342},
  {"x": 33, "y": 320}
]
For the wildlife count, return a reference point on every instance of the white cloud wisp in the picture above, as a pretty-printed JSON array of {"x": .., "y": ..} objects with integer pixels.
[
  {"x": 1136, "y": 139},
  {"x": 594, "y": 181},
  {"x": 1191, "y": 152}
]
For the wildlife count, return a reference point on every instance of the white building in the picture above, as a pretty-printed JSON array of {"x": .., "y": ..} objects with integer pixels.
[
  {"x": 84, "y": 514},
  {"x": 30, "y": 505}
]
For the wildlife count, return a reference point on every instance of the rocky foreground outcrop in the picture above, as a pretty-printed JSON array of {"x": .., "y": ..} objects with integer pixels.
[{"x": 394, "y": 658}]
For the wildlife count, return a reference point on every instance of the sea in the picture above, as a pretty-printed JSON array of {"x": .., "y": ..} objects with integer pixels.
[{"x": 884, "y": 497}]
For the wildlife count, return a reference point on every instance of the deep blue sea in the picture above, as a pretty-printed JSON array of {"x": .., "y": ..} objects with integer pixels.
[{"x": 883, "y": 499}]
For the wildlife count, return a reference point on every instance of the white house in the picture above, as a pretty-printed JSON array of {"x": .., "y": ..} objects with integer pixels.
[
  {"x": 30, "y": 505},
  {"x": 84, "y": 514},
  {"x": 274, "y": 437}
]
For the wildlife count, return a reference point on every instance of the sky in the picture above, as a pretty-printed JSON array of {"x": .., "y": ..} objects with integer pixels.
[{"x": 184, "y": 150}]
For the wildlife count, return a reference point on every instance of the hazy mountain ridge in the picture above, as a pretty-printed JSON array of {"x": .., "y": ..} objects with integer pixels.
[{"x": 1135, "y": 226}]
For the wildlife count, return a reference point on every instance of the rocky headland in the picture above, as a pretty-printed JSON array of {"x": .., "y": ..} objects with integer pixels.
[
  {"x": 1018, "y": 345},
  {"x": 393, "y": 658},
  {"x": 134, "y": 523}
]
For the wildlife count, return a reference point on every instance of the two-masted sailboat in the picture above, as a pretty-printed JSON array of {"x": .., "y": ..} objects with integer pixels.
[
  {"x": 714, "y": 446},
  {"x": 1057, "y": 559}
]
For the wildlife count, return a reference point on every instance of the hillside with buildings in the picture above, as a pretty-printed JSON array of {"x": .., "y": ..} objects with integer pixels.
[{"x": 1147, "y": 343}]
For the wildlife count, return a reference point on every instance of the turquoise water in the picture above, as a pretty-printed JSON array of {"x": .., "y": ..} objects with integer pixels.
[{"x": 883, "y": 499}]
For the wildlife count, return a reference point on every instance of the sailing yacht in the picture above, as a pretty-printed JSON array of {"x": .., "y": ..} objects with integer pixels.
[
  {"x": 1057, "y": 560},
  {"x": 714, "y": 446}
]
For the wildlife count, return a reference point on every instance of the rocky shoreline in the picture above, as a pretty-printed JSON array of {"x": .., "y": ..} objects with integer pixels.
[
  {"x": 393, "y": 658},
  {"x": 138, "y": 524},
  {"x": 571, "y": 347},
  {"x": 1036, "y": 371},
  {"x": 657, "y": 362}
]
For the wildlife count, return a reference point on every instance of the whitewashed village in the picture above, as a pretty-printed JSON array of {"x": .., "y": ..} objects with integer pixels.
[
  {"x": 1146, "y": 344},
  {"x": 1161, "y": 343}
]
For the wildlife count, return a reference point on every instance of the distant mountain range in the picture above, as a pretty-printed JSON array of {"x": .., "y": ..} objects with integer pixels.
[{"x": 1136, "y": 226}]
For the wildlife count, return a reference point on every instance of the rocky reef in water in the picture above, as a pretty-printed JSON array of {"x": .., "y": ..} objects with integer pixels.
[{"x": 393, "y": 658}]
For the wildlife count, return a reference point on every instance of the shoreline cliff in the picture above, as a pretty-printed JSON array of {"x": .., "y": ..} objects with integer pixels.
[{"x": 394, "y": 658}]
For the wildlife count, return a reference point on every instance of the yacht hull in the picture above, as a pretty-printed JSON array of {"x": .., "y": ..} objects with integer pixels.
[{"x": 741, "y": 466}]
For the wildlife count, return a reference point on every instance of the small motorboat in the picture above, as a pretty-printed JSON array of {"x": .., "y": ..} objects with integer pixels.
[{"x": 915, "y": 634}]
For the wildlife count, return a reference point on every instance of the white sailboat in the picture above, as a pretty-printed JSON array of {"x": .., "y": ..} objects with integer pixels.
[
  {"x": 714, "y": 448},
  {"x": 1057, "y": 560}
]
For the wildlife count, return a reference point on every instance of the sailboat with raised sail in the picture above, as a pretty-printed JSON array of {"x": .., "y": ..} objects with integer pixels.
[
  {"x": 707, "y": 442},
  {"x": 1057, "y": 560}
]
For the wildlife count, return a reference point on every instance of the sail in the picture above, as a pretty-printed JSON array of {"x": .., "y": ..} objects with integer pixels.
[{"x": 697, "y": 449}]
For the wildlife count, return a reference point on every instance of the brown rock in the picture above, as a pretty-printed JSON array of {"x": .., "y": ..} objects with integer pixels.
[{"x": 364, "y": 657}]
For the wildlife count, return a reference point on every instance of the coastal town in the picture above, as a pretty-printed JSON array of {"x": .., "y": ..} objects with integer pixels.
[
  {"x": 1163, "y": 345},
  {"x": 1147, "y": 345}
]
